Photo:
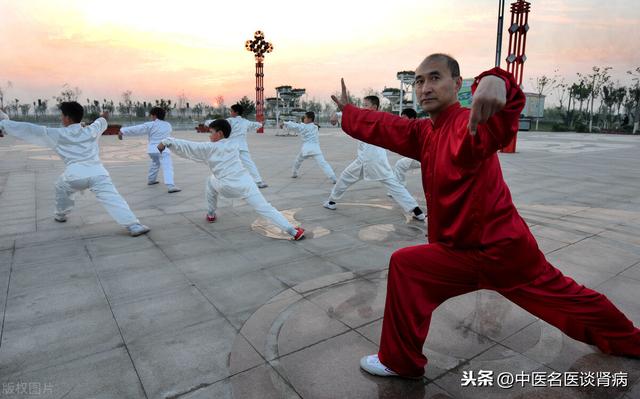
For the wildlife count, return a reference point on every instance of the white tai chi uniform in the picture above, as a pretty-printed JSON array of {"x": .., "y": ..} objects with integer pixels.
[
  {"x": 402, "y": 166},
  {"x": 239, "y": 129},
  {"x": 78, "y": 148},
  {"x": 372, "y": 164},
  {"x": 156, "y": 131},
  {"x": 228, "y": 178},
  {"x": 310, "y": 148}
]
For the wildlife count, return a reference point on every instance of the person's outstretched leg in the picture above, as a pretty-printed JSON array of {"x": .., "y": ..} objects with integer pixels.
[
  {"x": 211, "y": 196},
  {"x": 402, "y": 166},
  {"x": 296, "y": 165},
  {"x": 250, "y": 166},
  {"x": 402, "y": 196},
  {"x": 326, "y": 168},
  {"x": 580, "y": 312},
  {"x": 65, "y": 191},
  {"x": 349, "y": 176},
  {"x": 167, "y": 168},
  {"x": 154, "y": 168},
  {"x": 110, "y": 198},
  {"x": 266, "y": 210},
  {"x": 420, "y": 278}
]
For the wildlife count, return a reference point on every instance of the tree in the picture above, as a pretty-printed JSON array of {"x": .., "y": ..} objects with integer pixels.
[
  {"x": 24, "y": 109},
  {"x": 67, "y": 94},
  {"x": 634, "y": 94},
  {"x": 248, "y": 106},
  {"x": 598, "y": 78}
]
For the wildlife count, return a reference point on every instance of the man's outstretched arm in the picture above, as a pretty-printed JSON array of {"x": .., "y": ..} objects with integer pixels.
[{"x": 396, "y": 134}]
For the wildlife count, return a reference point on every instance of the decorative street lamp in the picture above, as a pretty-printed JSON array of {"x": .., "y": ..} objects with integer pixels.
[
  {"x": 407, "y": 80},
  {"x": 259, "y": 47},
  {"x": 517, "y": 43}
]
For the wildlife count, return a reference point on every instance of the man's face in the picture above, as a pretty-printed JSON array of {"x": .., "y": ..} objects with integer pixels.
[
  {"x": 66, "y": 121},
  {"x": 232, "y": 112},
  {"x": 305, "y": 119},
  {"x": 435, "y": 87},
  {"x": 369, "y": 105}
]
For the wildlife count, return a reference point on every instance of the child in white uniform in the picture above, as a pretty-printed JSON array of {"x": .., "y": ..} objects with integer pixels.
[
  {"x": 310, "y": 145},
  {"x": 229, "y": 177},
  {"x": 239, "y": 129},
  {"x": 78, "y": 148},
  {"x": 372, "y": 164},
  {"x": 156, "y": 130}
]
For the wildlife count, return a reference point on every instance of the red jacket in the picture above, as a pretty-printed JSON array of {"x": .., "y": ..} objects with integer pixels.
[{"x": 469, "y": 203}]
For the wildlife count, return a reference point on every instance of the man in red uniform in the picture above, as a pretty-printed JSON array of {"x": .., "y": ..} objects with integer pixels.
[{"x": 477, "y": 239}]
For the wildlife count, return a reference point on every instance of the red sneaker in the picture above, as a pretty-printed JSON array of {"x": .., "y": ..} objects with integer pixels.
[
  {"x": 211, "y": 218},
  {"x": 299, "y": 235}
]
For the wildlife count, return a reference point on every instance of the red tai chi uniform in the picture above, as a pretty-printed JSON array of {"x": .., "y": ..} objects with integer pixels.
[{"x": 477, "y": 239}]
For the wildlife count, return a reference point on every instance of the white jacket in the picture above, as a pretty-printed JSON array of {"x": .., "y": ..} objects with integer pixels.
[
  {"x": 373, "y": 160},
  {"x": 222, "y": 158},
  {"x": 76, "y": 145},
  {"x": 309, "y": 134},
  {"x": 239, "y": 129},
  {"x": 156, "y": 131}
]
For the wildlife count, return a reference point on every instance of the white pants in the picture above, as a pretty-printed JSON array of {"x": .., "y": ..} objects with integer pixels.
[
  {"x": 161, "y": 159},
  {"x": 250, "y": 166},
  {"x": 105, "y": 192},
  {"x": 403, "y": 165},
  {"x": 351, "y": 176},
  {"x": 324, "y": 165},
  {"x": 252, "y": 196}
]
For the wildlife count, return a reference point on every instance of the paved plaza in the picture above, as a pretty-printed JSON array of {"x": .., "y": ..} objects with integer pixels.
[{"x": 234, "y": 309}]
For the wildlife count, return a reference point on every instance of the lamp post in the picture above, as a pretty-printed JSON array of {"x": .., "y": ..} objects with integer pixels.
[{"x": 259, "y": 47}]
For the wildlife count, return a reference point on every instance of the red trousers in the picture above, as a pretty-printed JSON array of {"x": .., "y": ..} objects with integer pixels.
[{"x": 424, "y": 276}]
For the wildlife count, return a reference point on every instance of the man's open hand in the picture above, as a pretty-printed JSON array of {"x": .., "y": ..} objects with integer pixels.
[
  {"x": 344, "y": 97},
  {"x": 161, "y": 147},
  {"x": 490, "y": 97}
]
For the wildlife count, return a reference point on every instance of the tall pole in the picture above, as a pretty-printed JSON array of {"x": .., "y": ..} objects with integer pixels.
[
  {"x": 499, "y": 35},
  {"x": 259, "y": 47}
]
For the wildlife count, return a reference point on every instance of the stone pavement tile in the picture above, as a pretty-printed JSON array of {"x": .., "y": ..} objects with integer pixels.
[
  {"x": 498, "y": 359},
  {"x": 162, "y": 312},
  {"x": 258, "y": 328},
  {"x": 304, "y": 324},
  {"x": 238, "y": 297},
  {"x": 19, "y": 226},
  {"x": 323, "y": 282},
  {"x": 595, "y": 255},
  {"x": 7, "y": 242},
  {"x": 581, "y": 274},
  {"x": 333, "y": 366},
  {"x": 557, "y": 233},
  {"x": 303, "y": 270},
  {"x": 625, "y": 295},
  {"x": 45, "y": 237},
  {"x": 36, "y": 346},
  {"x": 243, "y": 356},
  {"x": 172, "y": 234},
  {"x": 24, "y": 279},
  {"x": 548, "y": 345},
  {"x": 632, "y": 272},
  {"x": 180, "y": 361},
  {"x": 107, "y": 374},
  {"x": 277, "y": 252},
  {"x": 191, "y": 248},
  {"x": 363, "y": 259},
  {"x": 548, "y": 245},
  {"x": 485, "y": 312},
  {"x": 219, "y": 264},
  {"x": 354, "y": 303},
  {"x": 105, "y": 246},
  {"x": 68, "y": 251},
  {"x": 46, "y": 303},
  {"x": 130, "y": 261},
  {"x": 128, "y": 285},
  {"x": 334, "y": 242}
]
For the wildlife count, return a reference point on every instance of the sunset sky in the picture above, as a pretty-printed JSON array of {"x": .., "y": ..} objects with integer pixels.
[{"x": 166, "y": 48}]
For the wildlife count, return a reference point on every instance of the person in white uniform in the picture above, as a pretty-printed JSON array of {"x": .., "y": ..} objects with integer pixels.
[
  {"x": 372, "y": 164},
  {"x": 78, "y": 147},
  {"x": 310, "y": 145},
  {"x": 229, "y": 177},
  {"x": 403, "y": 165},
  {"x": 239, "y": 129},
  {"x": 156, "y": 130}
]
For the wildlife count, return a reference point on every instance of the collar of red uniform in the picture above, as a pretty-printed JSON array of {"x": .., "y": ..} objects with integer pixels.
[{"x": 444, "y": 115}]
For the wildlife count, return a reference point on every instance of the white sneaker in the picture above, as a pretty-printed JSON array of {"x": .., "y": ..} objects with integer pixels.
[
  {"x": 173, "y": 189},
  {"x": 333, "y": 180},
  {"x": 419, "y": 217},
  {"x": 371, "y": 364},
  {"x": 262, "y": 184},
  {"x": 137, "y": 229},
  {"x": 294, "y": 175},
  {"x": 329, "y": 206},
  {"x": 60, "y": 218}
]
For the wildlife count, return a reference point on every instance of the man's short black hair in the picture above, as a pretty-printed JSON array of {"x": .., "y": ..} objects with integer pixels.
[
  {"x": 158, "y": 113},
  {"x": 374, "y": 100},
  {"x": 311, "y": 115},
  {"x": 452, "y": 64},
  {"x": 238, "y": 109},
  {"x": 73, "y": 110},
  {"x": 409, "y": 113},
  {"x": 221, "y": 125}
]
